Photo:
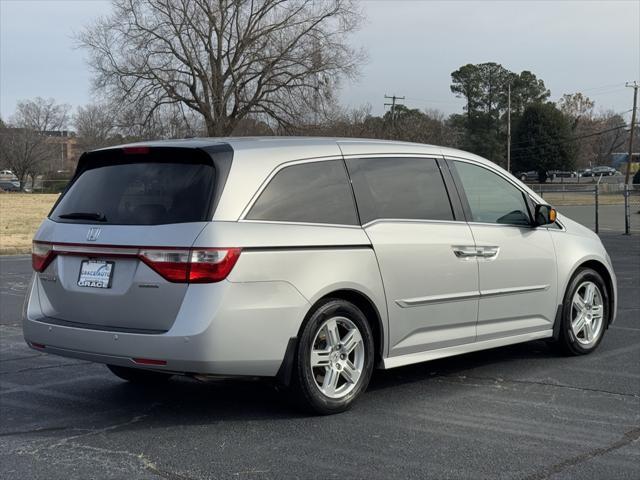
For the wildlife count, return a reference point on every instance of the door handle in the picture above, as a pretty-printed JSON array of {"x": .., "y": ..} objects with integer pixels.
[
  {"x": 471, "y": 252},
  {"x": 465, "y": 252},
  {"x": 488, "y": 252}
]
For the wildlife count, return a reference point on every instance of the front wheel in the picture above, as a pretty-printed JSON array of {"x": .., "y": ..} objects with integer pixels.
[
  {"x": 334, "y": 359},
  {"x": 585, "y": 313}
]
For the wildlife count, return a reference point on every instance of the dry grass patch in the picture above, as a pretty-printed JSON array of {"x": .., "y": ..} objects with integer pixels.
[
  {"x": 576, "y": 198},
  {"x": 20, "y": 216}
]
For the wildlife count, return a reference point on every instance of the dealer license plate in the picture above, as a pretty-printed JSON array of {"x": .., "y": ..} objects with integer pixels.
[{"x": 95, "y": 274}]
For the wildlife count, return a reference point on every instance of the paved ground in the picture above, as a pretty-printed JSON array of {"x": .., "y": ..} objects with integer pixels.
[
  {"x": 610, "y": 217},
  {"x": 520, "y": 412}
]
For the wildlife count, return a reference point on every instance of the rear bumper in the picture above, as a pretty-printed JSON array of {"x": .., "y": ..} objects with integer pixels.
[{"x": 221, "y": 329}]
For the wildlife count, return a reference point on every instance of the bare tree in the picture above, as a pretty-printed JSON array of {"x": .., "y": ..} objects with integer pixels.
[
  {"x": 95, "y": 126},
  {"x": 143, "y": 121},
  {"x": 576, "y": 106},
  {"x": 224, "y": 59},
  {"x": 614, "y": 137},
  {"x": 23, "y": 141}
]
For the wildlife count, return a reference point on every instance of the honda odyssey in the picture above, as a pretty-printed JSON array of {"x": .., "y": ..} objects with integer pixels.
[{"x": 308, "y": 260}]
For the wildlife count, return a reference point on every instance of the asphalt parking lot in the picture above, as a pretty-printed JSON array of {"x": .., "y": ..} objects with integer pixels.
[
  {"x": 611, "y": 217},
  {"x": 519, "y": 412}
]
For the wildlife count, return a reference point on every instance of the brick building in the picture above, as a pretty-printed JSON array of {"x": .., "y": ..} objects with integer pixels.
[{"x": 66, "y": 151}]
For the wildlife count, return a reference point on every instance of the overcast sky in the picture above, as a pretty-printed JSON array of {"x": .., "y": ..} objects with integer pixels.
[{"x": 413, "y": 46}]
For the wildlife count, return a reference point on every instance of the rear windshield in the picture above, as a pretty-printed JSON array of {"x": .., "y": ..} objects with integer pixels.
[{"x": 138, "y": 193}]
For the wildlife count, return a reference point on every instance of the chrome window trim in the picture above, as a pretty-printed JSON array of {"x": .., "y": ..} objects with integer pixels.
[
  {"x": 431, "y": 156},
  {"x": 308, "y": 224},
  {"x": 410, "y": 220},
  {"x": 509, "y": 225},
  {"x": 530, "y": 227}
]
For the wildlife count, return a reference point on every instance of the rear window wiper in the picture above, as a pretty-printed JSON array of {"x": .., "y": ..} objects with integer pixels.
[{"x": 98, "y": 217}]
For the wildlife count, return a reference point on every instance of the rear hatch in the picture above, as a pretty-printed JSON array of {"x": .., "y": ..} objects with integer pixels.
[{"x": 114, "y": 253}]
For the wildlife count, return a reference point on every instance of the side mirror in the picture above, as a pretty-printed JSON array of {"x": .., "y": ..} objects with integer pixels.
[{"x": 545, "y": 214}]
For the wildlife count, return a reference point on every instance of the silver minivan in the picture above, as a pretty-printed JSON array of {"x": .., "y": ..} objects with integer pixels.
[{"x": 308, "y": 260}]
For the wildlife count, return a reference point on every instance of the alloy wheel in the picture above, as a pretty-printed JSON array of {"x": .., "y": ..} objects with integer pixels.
[
  {"x": 337, "y": 357},
  {"x": 587, "y": 313}
]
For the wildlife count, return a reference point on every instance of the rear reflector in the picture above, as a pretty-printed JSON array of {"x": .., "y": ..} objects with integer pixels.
[
  {"x": 149, "y": 361},
  {"x": 37, "y": 345},
  {"x": 174, "y": 264}
]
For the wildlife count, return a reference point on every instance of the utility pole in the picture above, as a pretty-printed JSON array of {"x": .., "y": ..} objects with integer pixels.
[
  {"x": 509, "y": 129},
  {"x": 393, "y": 99},
  {"x": 635, "y": 86}
]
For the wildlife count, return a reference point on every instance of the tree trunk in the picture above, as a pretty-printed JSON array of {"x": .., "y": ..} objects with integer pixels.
[{"x": 21, "y": 177}]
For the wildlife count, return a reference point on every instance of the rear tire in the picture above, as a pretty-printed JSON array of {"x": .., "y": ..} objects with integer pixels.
[
  {"x": 139, "y": 376},
  {"x": 334, "y": 358},
  {"x": 585, "y": 313}
]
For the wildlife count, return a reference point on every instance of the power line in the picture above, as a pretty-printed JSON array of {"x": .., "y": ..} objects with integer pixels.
[
  {"x": 521, "y": 142},
  {"x": 611, "y": 85},
  {"x": 393, "y": 99},
  {"x": 571, "y": 139},
  {"x": 449, "y": 102}
]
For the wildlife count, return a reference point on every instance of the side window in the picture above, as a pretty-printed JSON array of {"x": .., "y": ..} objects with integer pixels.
[
  {"x": 402, "y": 188},
  {"x": 317, "y": 192},
  {"x": 491, "y": 198}
]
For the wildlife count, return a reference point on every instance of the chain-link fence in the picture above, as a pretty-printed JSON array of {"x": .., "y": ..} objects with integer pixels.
[{"x": 602, "y": 207}]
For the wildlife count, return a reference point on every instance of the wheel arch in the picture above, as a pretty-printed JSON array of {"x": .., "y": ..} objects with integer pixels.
[
  {"x": 606, "y": 275},
  {"x": 360, "y": 300},
  {"x": 368, "y": 308}
]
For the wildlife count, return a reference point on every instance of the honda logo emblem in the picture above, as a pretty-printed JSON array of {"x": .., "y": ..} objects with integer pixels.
[{"x": 93, "y": 234}]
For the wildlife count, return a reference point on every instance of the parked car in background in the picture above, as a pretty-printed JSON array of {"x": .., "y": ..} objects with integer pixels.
[
  {"x": 308, "y": 260},
  {"x": 530, "y": 176},
  {"x": 562, "y": 174},
  {"x": 603, "y": 170},
  {"x": 8, "y": 175},
  {"x": 584, "y": 172},
  {"x": 9, "y": 186}
]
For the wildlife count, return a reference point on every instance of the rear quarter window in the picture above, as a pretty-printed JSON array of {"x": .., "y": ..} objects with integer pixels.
[{"x": 315, "y": 192}]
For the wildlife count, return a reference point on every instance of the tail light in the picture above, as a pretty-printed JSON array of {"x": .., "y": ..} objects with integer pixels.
[
  {"x": 204, "y": 265},
  {"x": 172, "y": 265},
  {"x": 212, "y": 265},
  {"x": 41, "y": 255},
  {"x": 177, "y": 265}
]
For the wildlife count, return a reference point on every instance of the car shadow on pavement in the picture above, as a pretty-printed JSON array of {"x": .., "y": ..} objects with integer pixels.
[
  {"x": 186, "y": 401},
  {"x": 183, "y": 400},
  {"x": 507, "y": 357}
]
